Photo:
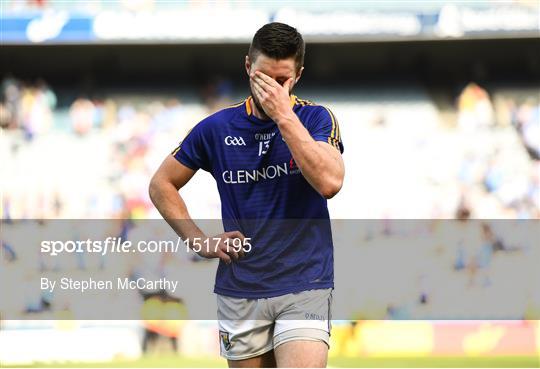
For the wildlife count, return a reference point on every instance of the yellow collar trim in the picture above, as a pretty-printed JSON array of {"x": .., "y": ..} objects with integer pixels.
[
  {"x": 248, "y": 106},
  {"x": 293, "y": 100}
]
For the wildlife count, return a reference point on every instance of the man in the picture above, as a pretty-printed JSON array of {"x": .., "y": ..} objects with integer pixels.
[{"x": 274, "y": 157}]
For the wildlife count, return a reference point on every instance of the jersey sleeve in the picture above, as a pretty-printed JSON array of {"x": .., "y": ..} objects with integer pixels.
[
  {"x": 193, "y": 149},
  {"x": 325, "y": 128}
]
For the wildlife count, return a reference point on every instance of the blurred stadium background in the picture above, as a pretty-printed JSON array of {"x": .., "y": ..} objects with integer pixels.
[{"x": 438, "y": 103}]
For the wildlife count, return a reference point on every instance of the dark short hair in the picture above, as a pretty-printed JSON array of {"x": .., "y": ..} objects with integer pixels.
[{"x": 278, "y": 41}]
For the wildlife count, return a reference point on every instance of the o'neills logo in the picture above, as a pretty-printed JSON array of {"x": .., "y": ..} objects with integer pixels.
[{"x": 255, "y": 175}]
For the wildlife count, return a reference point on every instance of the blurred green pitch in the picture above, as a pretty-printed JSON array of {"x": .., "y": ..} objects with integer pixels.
[{"x": 171, "y": 361}]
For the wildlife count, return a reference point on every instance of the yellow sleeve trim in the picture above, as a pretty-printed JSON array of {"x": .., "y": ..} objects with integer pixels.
[
  {"x": 176, "y": 150},
  {"x": 334, "y": 142},
  {"x": 333, "y": 133},
  {"x": 180, "y": 145}
]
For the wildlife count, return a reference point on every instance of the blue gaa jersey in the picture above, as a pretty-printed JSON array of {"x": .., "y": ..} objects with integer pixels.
[{"x": 265, "y": 196}]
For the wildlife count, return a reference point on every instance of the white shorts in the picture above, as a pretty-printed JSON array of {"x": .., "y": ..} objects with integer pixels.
[{"x": 251, "y": 327}]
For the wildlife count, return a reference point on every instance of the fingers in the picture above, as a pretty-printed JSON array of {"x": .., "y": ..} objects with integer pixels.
[
  {"x": 237, "y": 235},
  {"x": 231, "y": 251},
  {"x": 287, "y": 84},
  {"x": 223, "y": 256},
  {"x": 241, "y": 253},
  {"x": 263, "y": 99},
  {"x": 261, "y": 94},
  {"x": 257, "y": 89},
  {"x": 262, "y": 83},
  {"x": 237, "y": 246},
  {"x": 264, "y": 79}
]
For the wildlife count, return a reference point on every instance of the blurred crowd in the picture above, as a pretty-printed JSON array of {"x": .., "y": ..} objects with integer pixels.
[
  {"x": 27, "y": 106},
  {"x": 485, "y": 267},
  {"x": 508, "y": 169},
  {"x": 93, "y": 158}
]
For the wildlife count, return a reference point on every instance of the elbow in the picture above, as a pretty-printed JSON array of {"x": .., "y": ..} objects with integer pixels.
[
  {"x": 331, "y": 188},
  {"x": 154, "y": 189}
]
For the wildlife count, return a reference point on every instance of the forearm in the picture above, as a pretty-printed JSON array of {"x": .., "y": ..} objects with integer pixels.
[
  {"x": 320, "y": 163},
  {"x": 171, "y": 206},
  {"x": 170, "y": 177}
]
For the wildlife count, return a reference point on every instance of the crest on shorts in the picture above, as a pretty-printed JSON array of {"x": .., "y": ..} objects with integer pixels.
[{"x": 225, "y": 341}]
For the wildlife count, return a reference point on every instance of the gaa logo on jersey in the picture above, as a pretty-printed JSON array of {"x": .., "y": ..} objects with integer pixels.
[
  {"x": 234, "y": 141},
  {"x": 225, "y": 341}
]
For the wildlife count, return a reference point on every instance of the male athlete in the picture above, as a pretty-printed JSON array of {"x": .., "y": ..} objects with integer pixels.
[{"x": 274, "y": 157}]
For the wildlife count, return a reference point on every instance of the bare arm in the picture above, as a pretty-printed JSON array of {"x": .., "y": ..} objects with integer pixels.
[
  {"x": 320, "y": 163},
  {"x": 170, "y": 177}
]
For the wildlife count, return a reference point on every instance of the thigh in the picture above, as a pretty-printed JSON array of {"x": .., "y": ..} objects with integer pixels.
[
  {"x": 301, "y": 354},
  {"x": 266, "y": 360},
  {"x": 302, "y": 331}
]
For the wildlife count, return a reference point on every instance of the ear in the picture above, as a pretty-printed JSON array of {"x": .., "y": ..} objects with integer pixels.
[
  {"x": 248, "y": 65},
  {"x": 298, "y": 75}
]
